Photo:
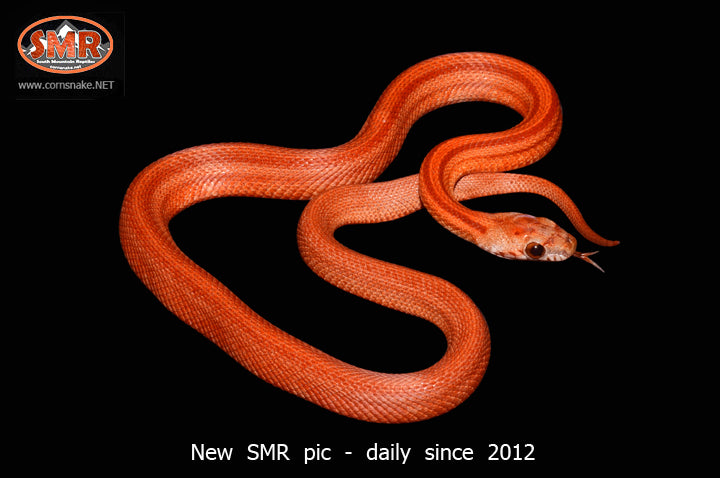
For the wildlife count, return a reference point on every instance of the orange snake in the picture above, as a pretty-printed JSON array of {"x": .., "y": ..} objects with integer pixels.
[{"x": 339, "y": 182}]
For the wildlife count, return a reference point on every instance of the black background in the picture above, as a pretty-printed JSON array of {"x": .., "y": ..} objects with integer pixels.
[{"x": 112, "y": 378}]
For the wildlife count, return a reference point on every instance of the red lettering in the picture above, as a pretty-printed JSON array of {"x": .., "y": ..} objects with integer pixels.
[
  {"x": 89, "y": 40},
  {"x": 39, "y": 47},
  {"x": 65, "y": 49}
]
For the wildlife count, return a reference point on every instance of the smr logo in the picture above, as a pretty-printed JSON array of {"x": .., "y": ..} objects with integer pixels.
[{"x": 65, "y": 44}]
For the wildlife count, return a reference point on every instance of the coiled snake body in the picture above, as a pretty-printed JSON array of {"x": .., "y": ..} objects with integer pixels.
[{"x": 339, "y": 182}]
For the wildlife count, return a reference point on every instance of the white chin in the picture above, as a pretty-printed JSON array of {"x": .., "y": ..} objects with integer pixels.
[{"x": 555, "y": 258}]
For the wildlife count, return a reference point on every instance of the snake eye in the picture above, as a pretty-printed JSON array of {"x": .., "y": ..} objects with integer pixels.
[{"x": 534, "y": 250}]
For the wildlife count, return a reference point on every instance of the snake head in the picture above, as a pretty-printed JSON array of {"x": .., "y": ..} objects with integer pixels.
[{"x": 524, "y": 237}]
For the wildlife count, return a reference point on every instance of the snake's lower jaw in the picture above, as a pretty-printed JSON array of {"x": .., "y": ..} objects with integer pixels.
[{"x": 586, "y": 257}]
